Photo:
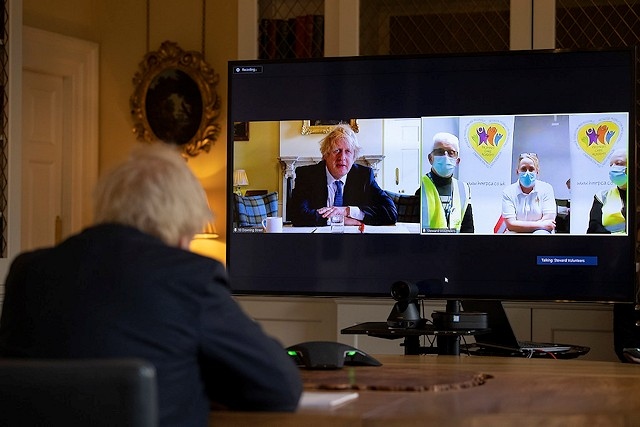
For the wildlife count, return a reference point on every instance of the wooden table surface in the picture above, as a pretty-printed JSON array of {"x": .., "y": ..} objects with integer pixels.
[{"x": 517, "y": 391}]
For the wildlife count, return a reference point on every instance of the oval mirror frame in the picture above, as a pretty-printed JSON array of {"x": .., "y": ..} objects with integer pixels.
[{"x": 176, "y": 87}]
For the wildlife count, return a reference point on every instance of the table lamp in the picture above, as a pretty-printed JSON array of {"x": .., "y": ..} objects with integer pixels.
[
  {"x": 209, "y": 232},
  {"x": 240, "y": 180}
]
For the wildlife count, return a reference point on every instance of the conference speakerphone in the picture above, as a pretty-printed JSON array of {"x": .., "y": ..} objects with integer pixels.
[{"x": 329, "y": 355}]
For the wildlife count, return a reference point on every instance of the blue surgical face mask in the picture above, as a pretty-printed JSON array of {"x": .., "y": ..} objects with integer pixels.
[
  {"x": 618, "y": 175},
  {"x": 444, "y": 165},
  {"x": 527, "y": 179}
]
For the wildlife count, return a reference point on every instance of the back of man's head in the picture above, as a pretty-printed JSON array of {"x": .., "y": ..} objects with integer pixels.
[{"x": 154, "y": 191}]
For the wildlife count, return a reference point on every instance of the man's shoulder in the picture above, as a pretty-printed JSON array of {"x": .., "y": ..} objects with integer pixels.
[
  {"x": 114, "y": 242},
  {"x": 360, "y": 168},
  {"x": 463, "y": 185},
  {"x": 360, "y": 171},
  {"x": 457, "y": 181},
  {"x": 306, "y": 170},
  {"x": 169, "y": 264},
  {"x": 27, "y": 257},
  {"x": 602, "y": 195},
  {"x": 315, "y": 166}
]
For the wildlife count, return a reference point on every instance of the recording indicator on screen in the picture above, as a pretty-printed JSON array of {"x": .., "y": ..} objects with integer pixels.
[
  {"x": 567, "y": 260},
  {"x": 251, "y": 69}
]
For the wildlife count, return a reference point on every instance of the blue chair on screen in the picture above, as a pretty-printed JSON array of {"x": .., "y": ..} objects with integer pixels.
[{"x": 249, "y": 211}]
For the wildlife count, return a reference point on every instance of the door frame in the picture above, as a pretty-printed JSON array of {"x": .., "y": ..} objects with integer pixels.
[{"x": 76, "y": 61}]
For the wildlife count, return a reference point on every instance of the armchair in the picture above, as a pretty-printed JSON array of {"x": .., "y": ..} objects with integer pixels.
[{"x": 249, "y": 211}]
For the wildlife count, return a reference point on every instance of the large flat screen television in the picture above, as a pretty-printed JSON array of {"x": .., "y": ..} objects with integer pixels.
[{"x": 575, "y": 110}]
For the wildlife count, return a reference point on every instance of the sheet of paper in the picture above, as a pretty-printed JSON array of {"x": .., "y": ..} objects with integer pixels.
[{"x": 325, "y": 400}]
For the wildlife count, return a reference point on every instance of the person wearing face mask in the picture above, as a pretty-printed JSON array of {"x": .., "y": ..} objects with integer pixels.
[
  {"x": 608, "y": 216},
  {"x": 608, "y": 211},
  {"x": 446, "y": 201},
  {"x": 529, "y": 205}
]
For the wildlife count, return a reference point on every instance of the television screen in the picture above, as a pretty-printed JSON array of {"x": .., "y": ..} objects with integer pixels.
[{"x": 499, "y": 176}]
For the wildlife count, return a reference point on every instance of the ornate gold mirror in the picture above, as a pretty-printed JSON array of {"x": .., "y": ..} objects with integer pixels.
[
  {"x": 326, "y": 126},
  {"x": 175, "y": 99}
]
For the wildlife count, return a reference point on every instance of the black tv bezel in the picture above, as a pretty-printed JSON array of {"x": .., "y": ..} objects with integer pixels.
[{"x": 250, "y": 264}]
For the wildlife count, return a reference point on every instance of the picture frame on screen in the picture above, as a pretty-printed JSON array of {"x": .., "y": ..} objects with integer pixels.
[{"x": 326, "y": 126}]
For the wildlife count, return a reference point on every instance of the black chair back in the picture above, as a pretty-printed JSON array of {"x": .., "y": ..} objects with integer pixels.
[
  {"x": 104, "y": 392},
  {"x": 408, "y": 206}
]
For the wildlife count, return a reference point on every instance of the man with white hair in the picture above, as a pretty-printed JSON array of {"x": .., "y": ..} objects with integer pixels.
[
  {"x": 128, "y": 286},
  {"x": 446, "y": 202}
]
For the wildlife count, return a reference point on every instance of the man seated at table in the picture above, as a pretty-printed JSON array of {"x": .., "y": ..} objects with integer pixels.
[
  {"x": 338, "y": 186},
  {"x": 129, "y": 287}
]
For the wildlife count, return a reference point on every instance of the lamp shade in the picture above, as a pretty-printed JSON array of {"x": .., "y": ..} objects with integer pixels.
[
  {"x": 209, "y": 232},
  {"x": 240, "y": 177}
]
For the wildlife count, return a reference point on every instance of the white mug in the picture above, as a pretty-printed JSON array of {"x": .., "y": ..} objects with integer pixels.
[{"x": 272, "y": 224}]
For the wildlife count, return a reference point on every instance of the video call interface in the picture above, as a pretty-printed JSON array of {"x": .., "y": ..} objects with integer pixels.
[
  {"x": 574, "y": 153},
  {"x": 573, "y": 112}
]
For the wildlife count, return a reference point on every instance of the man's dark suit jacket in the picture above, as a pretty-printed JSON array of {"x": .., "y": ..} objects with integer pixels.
[
  {"x": 113, "y": 291},
  {"x": 310, "y": 193}
]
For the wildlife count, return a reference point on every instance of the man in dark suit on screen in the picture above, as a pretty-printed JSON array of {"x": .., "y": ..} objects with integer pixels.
[{"x": 337, "y": 186}]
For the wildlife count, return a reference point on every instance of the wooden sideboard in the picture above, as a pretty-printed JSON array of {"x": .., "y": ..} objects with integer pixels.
[{"x": 294, "y": 320}]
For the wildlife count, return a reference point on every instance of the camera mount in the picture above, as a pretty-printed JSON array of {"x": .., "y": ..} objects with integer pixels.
[{"x": 406, "y": 311}]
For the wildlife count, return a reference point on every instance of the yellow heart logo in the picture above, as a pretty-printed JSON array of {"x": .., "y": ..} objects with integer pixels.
[
  {"x": 487, "y": 139},
  {"x": 597, "y": 139}
]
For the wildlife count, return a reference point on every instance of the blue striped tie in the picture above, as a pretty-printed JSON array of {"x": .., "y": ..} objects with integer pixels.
[{"x": 337, "y": 201}]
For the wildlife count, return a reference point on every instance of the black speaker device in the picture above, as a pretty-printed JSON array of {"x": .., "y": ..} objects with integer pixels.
[{"x": 328, "y": 355}]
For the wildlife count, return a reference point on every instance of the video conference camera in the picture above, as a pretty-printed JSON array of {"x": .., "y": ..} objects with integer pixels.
[{"x": 406, "y": 311}]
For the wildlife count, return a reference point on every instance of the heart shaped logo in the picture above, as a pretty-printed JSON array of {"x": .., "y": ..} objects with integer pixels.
[
  {"x": 597, "y": 139},
  {"x": 486, "y": 139}
]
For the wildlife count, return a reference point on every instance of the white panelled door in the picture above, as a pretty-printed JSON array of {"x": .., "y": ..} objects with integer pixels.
[
  {"x": 59, "y": 136},
  {"x": 401, "y": 165},
  {"x": 42, "y": 164}
]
